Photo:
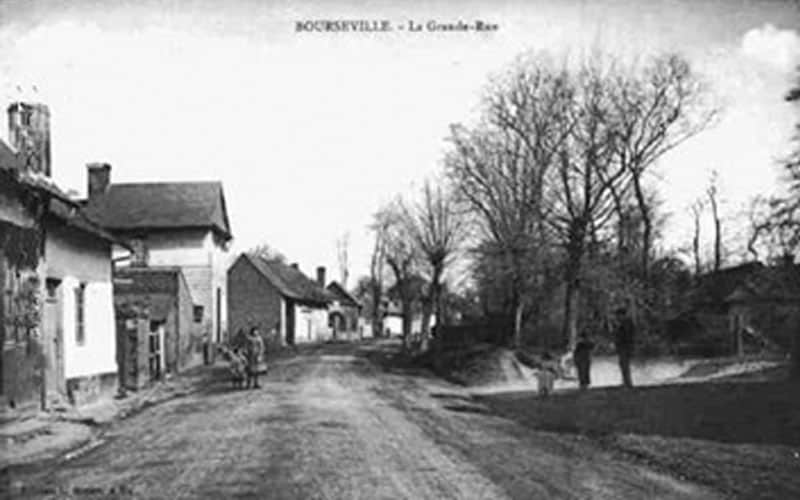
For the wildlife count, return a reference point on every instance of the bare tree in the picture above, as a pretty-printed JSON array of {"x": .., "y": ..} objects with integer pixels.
[
  {"x": 655, "y": 110},
  {"x": 377, "y": 272},
  {"x": 342, "y": 251},
  {"x": 499, "y": 168},
  {"x": 712, "y": 192},
  {"x": 265, "y": 251},
  {"x": 401, "y": 256},
  {"x": 697, "y": 212},
  {"x": 586, "y": 182},
  {"x": 438, "y": 230},
  {"x": 773, "y": 232}
]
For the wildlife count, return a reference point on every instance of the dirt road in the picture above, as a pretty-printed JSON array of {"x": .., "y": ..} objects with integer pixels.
[{"x": 329, "y": 423}]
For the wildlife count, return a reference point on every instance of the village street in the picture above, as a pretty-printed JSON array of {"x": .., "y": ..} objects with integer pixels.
[{"x": 331, "y": 422}]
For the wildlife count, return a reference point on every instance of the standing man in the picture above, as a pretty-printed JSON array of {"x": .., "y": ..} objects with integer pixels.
[
  {"x": 624, "y": 339},
  {"x": 254, "y": 349}
]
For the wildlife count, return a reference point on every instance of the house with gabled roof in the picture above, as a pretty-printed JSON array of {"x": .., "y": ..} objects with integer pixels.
[
  {"x": 287, "y": 306},
  {"x": 181, "y": 224},
  {"x": 763, "y": 308},
  {"x": 344, "y": 312},
  {"x": 57, "y": 325}
]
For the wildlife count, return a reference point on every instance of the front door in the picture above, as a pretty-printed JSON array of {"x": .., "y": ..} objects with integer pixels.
[
  {"x": 289, "y": 322},
  {"x": 154, "y": 360},
  {"x": 53, "y": 336}
]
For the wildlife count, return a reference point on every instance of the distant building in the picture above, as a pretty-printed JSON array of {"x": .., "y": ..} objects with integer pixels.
[
  {"x": 750, "y": 305},
  {"x": 50, "y": 249},
  {"x": 274, "y": 296},
  {"x": 344, "y": 313},
  {"x": 764, "y": 308},
  {"x": 393, "y": 319},
  {"x": 179, "y": 224}
]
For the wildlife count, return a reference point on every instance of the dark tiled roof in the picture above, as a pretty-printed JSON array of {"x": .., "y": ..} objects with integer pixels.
[
  {"x": 162, "y": 205},
  {"x": 774, "y": 284},
  {"x": 342, "y": 295},
  {"x": 714, "y": 287},
  {"x": 60, "y": 205},
  {"x": 74, "y": 216},
  {"x": 291, "y": 282}
]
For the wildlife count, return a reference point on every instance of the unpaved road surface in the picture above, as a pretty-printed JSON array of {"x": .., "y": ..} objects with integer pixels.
[{"x": 330, "y": 423}]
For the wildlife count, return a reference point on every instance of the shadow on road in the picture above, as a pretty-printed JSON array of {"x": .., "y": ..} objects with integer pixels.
[{"x": 753, "y": 412}]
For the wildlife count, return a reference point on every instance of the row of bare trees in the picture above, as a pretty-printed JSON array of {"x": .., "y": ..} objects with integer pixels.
[
  {"x": 560, "y": 158},
  {"x": 417, "y": 239}
]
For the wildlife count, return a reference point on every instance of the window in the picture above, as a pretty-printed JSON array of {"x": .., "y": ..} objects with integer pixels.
[
  {"x": 80, "y": 307},
  {"x": 198, "y": 314}
]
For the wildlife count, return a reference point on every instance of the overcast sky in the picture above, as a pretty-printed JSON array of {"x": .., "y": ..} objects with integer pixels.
[{"x": 310, "y": 132}]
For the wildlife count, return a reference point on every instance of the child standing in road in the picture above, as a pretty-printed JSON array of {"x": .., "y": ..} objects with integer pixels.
[{"x": 546, "y": 376}]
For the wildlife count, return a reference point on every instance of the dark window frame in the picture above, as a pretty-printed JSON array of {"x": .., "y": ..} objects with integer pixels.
[{"x": 197, "y": 312}]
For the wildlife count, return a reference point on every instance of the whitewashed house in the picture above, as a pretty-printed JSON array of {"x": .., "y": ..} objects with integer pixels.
[
  {"x": 76, "y": 337},
  {"x": 174, "y": 224}
]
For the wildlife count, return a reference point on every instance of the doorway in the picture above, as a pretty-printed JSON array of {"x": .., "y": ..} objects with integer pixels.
[
  {"x": 55, "y": 384},
  {"x": 155, "y": 359},
  {"x": 289, "y": 322}
]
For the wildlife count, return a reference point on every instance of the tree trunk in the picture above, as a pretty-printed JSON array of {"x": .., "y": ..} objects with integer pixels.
[
  {"x": 572, "y": 275},
  {"x": 431, "y": 306},
  {"x": 407, "y": 318},
  {"x": 427, "y": 307},
  {"x": 570, "y": 329},
  {"x": 647, "y": 226},
  {"x": 518, "y": 324},
  {"x": 717, "y": 244},
  {"x": 717, "y": 230},
  {"x": 646, "y": 237},
  {"x": 377, "y": 314},
  {"x": 796, "y": 356},
  {"x": 696, "y": 246}
]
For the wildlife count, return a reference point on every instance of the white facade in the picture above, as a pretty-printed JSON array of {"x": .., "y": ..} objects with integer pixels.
[
  {"x": 310, "y": 324},
  {"x": 202, "y": 257},
  {"x": 77, "y": 260},
  {"x": 97, "y": 353},
  {"x": 394, "y": 324}
]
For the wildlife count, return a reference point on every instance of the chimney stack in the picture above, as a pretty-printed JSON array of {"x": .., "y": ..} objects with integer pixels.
[
  {"x": 99, "y": 178},
  {"x": 29, "y": 134},
  {"x": 294, "y": 265},
  {"x": 321, "y": 276}
]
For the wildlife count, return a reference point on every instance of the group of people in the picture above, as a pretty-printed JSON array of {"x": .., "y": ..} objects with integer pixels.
[
  {"x": 245, "y": 359},
  {"x": 623, "y": 342}
]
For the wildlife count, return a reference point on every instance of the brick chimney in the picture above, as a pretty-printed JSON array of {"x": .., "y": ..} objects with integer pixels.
[
  {"x": 29, "y": 134},
  {"x": 321, "y": 276},
  {"x": 98, "y": 179}
]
